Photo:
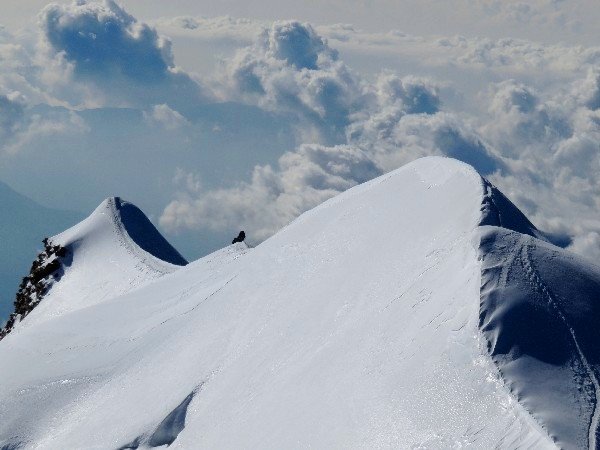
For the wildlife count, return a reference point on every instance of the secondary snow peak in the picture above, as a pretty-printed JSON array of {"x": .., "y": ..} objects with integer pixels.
[
  {"x": 129, "y": 224},
  {"x": 114, "y": 250}
]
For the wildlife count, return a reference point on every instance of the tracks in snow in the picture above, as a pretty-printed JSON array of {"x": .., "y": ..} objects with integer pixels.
[{"x": 535, "y": 279}]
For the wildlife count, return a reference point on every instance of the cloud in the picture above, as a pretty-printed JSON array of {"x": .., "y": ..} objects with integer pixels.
[
  {"x": 121, "y": 61},
  {"x": 302, "y": 180},
  {"x": 547, "y": 21},
  {"x": 188, "y": 180},
  {"x": 525, "y": 114},
  {"x": 587, "y": 91},
  {"x": 20, "y": 124},
  {"x": 398, "y": 120},
  {"x": 587, "y": 244},
  {"x": 19, "y": 71},
  {"x": 166, "y": 117},
  {"x": 541, "y": 147},
  {"x": 521, "y": 121},
  {"x": 467, "y": 60},
  {"x": 405, "y": 122},
  {"x": 538, "y": 12},
  {"x": 104, "y": 40},
  {"x": 504, "y": 57},
  {"x": 313, "y": 173},
  {"x": 21, "y": 89},
  {"x": 241, "y": 31},
  {"x": 290, "y": 69},
  {"x": 552, "y": 153},
  {"x": 12, "y": 112},
  {"x": 299, "y": 45}
]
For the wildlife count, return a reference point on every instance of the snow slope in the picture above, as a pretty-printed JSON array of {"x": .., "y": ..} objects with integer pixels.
[
  {"x": 540, "y": 313},
  {"x": 363, "y": 324},
  {"x": 111, "y": 252}
]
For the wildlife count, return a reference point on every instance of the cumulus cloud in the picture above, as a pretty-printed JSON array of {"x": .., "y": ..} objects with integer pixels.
[
  {"x": 405, "y": 123},
  {"x": 166, "y": 117},
  {"x": 20, "y": 124},
  {"x": 121, "y": 61},
  {"x": 275, "y": 196},
  {"x": 525, "y": 114},
  {"x": 541, "y": 148},
  {"x": 587, "y": 91},
  {"x": 101, "y": 39},
  {"x": 552, "y": 149},
  {"x": 587, "y": 244},
  {"x": 291, "y": 69},
  {"x": 314, "y": 173},
  {"x": 522, "y": 122},
  {"x": 386, "y": 124}
]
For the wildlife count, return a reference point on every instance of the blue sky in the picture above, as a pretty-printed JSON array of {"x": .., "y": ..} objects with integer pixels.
[{"x": 218, "y": 116}]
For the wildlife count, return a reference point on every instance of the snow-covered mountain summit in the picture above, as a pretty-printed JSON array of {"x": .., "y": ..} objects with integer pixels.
[
  {"x": 111, "y": 252},
  {"x": 419, "y": 310}
]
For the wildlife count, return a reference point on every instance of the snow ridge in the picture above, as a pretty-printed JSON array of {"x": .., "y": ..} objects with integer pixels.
[
  {"x": 138, "y": 232},
  {"x": 112, "y": 251},
  {"x": 539, "y": 312},
  {"x": 520, "y": 278},
  {"x": 499, "y": 211},
  {"x": 405, "y": 312},
  {"x": 528, "y": 265}
]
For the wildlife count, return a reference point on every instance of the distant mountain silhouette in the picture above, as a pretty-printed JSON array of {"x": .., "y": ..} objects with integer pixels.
[{"x": 23, "y": 225}]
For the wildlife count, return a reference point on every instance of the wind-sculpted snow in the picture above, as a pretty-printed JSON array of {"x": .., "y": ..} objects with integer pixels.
[
  {"x": 499, "y": 211},
  {"x": 169, "y": 428},
  {"x": 540, "y": 310},
  {"x": 143, "y": 233},
  {"x": 356, "y": 326},
  {"x": 540, "y": 314}
]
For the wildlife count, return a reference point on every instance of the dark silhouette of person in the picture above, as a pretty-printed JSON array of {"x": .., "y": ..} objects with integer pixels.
[{"x": 240, "y": 237}]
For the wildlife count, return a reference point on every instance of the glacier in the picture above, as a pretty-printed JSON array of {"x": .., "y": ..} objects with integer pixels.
[{"x": 419, "y": 310}]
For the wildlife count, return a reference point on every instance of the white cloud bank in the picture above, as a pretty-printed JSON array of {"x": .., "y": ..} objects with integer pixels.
[
  {"x": 20, "y": 125},
  {"x": 542, "y": 148},
  {"x": 527, "y": 115}
]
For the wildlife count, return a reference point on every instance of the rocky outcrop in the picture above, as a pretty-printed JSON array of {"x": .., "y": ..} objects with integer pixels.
[{"x": 45, "y": 269}]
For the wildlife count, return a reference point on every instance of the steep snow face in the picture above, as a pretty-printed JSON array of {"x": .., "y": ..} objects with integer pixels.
[
  {"x": 499, "y": 211},
  {"x": 540, "y": 310},
  {"x": 355, "y": 326},
  {"x": 135, "y": 225},
  {"x": 540, "y": 314},
  {"x": 111, "y": 252}
]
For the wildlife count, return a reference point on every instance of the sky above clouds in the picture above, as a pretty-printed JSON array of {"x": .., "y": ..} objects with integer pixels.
[
  {"x": 218, "y": 116},
  {"x": 548, "y": 21}
]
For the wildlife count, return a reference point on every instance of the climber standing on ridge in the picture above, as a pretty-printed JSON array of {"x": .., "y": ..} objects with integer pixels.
[{"x": 240, "y": 237}]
